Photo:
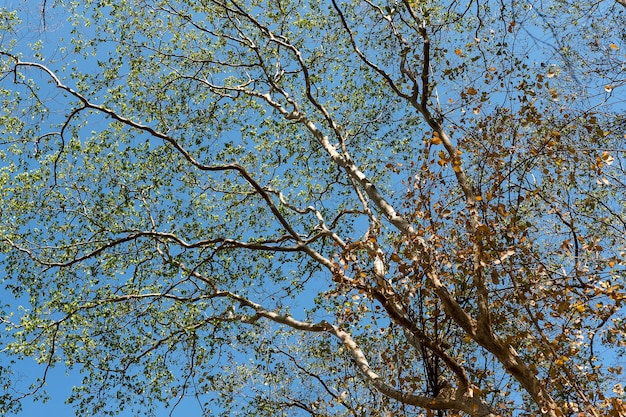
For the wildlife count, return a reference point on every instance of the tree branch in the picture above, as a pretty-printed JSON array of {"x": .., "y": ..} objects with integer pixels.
[{"x": 459, "y": 401}]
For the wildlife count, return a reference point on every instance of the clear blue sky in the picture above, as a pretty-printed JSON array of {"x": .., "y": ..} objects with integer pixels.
[{"x": 59, "y": 383}]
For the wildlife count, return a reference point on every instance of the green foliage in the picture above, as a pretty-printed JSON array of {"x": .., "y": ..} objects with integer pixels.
[{"x": 315, "y": 208}]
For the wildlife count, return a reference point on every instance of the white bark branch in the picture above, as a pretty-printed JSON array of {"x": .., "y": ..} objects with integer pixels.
[{"x": 459, "y": 401}]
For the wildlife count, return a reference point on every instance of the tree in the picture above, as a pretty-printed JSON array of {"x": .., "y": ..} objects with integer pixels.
[{"x": 353, "y": 208}]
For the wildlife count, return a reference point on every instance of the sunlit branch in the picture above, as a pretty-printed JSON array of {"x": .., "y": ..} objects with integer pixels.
[
  {"x": 293, "y": 115},
  {"x": 425, "y": 56},
  {"x": 325, "y": 231},
  {"x": 459, "y": 400},
  {"x": 235, "y": 167},
  {"x": 480, "y": 330}
]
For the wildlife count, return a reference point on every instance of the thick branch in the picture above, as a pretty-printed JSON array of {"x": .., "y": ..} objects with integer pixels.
[
  {"x": 458, "y": 401},
  {"x": 480, "y": 330}
]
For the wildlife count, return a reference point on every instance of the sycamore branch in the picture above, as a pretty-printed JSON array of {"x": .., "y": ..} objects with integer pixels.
[
  {"x": 86, "y": 104},
  {"x": 481, "y": 329},
  {"x": 367, "y": 61},
  {"x": 221, "y": 243},
  {"x": 355, "y": 174},
  {"x": 460, "y": 400},
  {"x": 397, "y": 314},
  {"x": 481, "y": 333}
]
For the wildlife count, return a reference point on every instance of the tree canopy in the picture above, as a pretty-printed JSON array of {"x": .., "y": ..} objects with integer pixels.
[{"x": 300, "y": 207}]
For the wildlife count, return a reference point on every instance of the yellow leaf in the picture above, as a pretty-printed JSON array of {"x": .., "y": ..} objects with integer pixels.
[
  {"x": 608, "y": 158},
  {"x": 613, "y": 46},
  {"x": 479, "y": 198},
  {"x": 458, "y": 51},
  {"x": 472, "y": 91},
  {"x": 436, "y": 140}
]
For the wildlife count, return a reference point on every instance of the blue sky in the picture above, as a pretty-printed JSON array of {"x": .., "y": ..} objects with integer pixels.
[
  {"x": 59, "y": 381},
  {"x": 58, "y": 384}
]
